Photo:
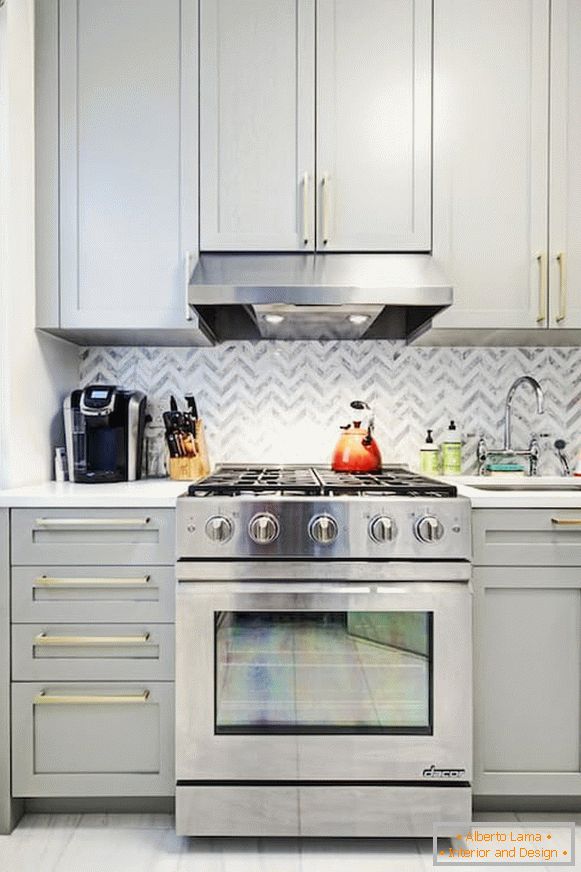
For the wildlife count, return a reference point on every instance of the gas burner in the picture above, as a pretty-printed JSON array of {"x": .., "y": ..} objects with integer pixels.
[{"x": 237, "y": 480}]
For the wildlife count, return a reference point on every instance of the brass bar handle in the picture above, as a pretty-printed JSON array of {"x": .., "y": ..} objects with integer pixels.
[
  {"x": 306, "y": 222},
  {"x": 542, "y": 261},
  {"x": 45, "y": 641},
  {"x": 325, "y": 208},
  {"x": 55, "y": 583},
  {"x": 566, "y": 522},
  {"x": 92, "y": 523},
  {"x": 562, "y": 314},
  {"x": 188, "y": 267},
  {"x": 44, "y": 698}
]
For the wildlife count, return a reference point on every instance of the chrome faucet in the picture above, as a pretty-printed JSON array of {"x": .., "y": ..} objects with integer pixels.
[
  {"x": 524, "y": 379},
  {"x": 533, "y": 451}
]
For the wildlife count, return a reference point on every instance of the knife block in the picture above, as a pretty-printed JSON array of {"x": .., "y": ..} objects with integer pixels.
[{"x": 192, "y": 468}]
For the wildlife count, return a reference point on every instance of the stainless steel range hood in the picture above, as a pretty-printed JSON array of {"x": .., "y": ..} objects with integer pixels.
[{"x": 318, "y": 296}]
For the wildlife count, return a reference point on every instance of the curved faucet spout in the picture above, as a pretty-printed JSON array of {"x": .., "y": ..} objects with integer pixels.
[{"x": 523, "y": 379}]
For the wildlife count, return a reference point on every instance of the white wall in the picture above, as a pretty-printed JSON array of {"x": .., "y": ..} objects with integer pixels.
[{"x": 35, "y": 370}]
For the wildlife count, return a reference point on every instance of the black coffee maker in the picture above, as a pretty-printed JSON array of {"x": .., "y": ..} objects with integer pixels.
[{"x": 104, "y": 434}]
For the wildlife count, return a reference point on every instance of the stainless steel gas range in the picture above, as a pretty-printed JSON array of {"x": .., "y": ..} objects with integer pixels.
[{"x": 323, "y": 654}]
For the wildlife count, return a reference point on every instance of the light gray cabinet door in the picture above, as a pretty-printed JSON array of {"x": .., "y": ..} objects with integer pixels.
[
  {"x": 84, "y": 594},
  {"x": 257, "y": 125},
  {"x": 93, "y": 652},
  {"x": 89, "y": 537},
  {"x": 565, "y": 170},
  {"x": 529, "y": 537},
  {"x": 527, "y": 636},
  {"x": 491, "y": 108},
  {"x": 374, "y": 125},
  {"x": 74, "y": 739},
  {"x": 128, "y": 175}
]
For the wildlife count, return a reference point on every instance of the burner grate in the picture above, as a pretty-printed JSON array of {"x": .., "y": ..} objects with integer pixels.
[
  {"x": 318, "y": 481},
  {"x": 234, "y": 480},
  {"x": 391, "y": 481}
]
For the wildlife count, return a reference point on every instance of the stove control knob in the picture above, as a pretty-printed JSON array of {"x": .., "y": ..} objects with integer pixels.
[
  {"x": 263, "y": 529},
  {"x": 382, "y": 529},
  {"x": 219, "y": 529},
  {"x": 323, "y": 530},
  {"x": 429, "y": 529}
]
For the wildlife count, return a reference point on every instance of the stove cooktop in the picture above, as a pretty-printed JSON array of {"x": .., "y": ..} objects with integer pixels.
[{"x": 237, "y": 480}]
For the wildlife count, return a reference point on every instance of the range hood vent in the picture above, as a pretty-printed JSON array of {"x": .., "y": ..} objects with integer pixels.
[{"x": 318, "y": 296}]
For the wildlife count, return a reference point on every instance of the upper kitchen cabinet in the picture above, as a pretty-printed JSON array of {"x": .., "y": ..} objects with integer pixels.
[
  {"x": 491, "y": 117},
  {"x": 347, "y": 82},
  {"x": 374, "y": 80},
  {"x": 116, "y": 168},
  {"x": 257, "y": 125},
  {"x": 565, "y": 167}
]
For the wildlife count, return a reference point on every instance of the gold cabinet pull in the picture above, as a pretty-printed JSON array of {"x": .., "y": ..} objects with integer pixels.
[
  {"x": 542, "y": 261},
  {"x": 306, "y": 222},
  {"x": 45, "y": 641},
  {"x": 566, "y": 522},
  {"x": 48, "y": 581},
  {"x": 71, "y": 699},
  {"x": 96, "y": 523},
  {"x": 562, "y": 314},
  {"x": 325, "y": 208}
]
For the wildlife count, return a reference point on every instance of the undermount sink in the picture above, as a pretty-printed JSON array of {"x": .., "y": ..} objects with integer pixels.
[{"x": 526, "y": 486}]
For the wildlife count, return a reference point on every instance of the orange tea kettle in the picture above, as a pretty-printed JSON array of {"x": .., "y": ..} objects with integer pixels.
[{"x": 356, "y": 449}]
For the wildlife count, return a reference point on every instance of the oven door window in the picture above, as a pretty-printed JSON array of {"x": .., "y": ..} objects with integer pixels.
[{"x": 323, "y": 672}]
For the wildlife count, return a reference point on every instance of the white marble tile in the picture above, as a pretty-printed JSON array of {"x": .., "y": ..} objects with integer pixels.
[
  {"x": 142, "y": 821},
  {"x": 108, "y": 849},
  {"x": 241, "y": 855},
  {"x": 363, "y": 855}
]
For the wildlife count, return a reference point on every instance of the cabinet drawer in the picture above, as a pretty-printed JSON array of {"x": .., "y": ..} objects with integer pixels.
[
  {"x": 534, "y": 537},
  {"x": 101, "y": 652},
  {"x": 93, "y": 739},
  {"x": 85, "y": 594},
  {"x": 86, "y": 537}
]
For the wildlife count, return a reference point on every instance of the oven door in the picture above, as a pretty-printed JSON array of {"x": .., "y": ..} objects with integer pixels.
[{"x": 324, "y": 672}]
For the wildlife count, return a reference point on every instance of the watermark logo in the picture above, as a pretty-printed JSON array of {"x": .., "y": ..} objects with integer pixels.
[{"x": 501, "y": 844}]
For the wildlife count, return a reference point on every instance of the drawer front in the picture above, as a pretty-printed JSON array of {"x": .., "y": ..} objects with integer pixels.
[
  {"x": 93, "y": 739},
  {"x": 533, "y": 537},
  {"x": 100, "y": 652},
  {"x": 84, "y": 594},
  {"x": 85, "y": 537}
]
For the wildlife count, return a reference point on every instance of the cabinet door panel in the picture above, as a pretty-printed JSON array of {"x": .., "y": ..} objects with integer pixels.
[
  {"x": 373, "y": 125},
  {"x": 127, "y": 161},
  {"x": 257, "y": 125},
  {"x": 565, "y": 180},
  {"x": 527, "y": 680},
  {"x": 490, "y": 160}
]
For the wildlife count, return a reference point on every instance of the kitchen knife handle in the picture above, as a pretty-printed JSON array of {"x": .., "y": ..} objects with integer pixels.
[
  {"x": 306, "y": 223},
  {"x": 325, "y": 208},
  {"x": 188, "y": 266},
  {"x": 562, "y": 314},
  {"x": 541, "y": 260}
]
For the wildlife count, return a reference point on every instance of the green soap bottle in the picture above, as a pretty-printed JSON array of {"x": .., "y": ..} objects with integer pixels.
[
  {"x": 429, "y": 457},
  {"x": 452, "y": 451}
]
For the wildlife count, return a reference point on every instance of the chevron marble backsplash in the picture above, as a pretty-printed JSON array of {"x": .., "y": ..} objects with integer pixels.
[{"x": 282, "y": 402}]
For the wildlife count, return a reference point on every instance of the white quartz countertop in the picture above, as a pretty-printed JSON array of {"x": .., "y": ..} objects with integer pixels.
[
  {"x": 163, "y": 493},
  {"x": 526, "y": 497},
  {"x": 149, "y": 493}
]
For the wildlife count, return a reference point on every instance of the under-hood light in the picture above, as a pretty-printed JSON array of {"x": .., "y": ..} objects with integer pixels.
[
  {"x": 358, "y": 319},
  {"x": 274, "y": 319}
]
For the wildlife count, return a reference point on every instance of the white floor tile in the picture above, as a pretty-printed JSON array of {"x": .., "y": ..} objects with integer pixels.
[{"x": 363, "y": 855}]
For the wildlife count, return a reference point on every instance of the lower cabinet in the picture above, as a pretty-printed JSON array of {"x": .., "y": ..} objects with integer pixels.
[
  {"x": 527, "y": 635},
  {"x": 89, "y": 739}
]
